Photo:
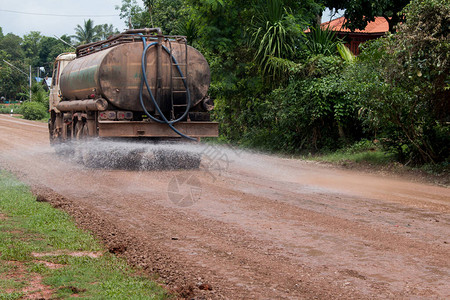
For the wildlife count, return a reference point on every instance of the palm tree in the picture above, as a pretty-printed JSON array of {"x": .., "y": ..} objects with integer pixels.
[
  {"x": 87, "y": 33},
  {"x": 273, "y": 38},
  {"x": 189, "y": 29},
  {"x": 321, "y": 41}
]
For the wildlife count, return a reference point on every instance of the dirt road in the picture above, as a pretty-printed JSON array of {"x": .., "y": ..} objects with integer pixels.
[{"x": 249, "y": 225}]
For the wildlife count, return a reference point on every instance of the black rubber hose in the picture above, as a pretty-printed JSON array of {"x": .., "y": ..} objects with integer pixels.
[{"x": 145, "y": 81}]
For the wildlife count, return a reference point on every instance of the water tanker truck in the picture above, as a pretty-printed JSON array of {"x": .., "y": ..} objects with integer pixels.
[{"x": 139, "y": 84}]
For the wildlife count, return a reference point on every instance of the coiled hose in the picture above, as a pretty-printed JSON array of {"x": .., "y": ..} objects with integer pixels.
[{"x": 145, "y": 81}]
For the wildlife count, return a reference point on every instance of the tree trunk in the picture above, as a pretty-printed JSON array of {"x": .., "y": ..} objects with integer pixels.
[
  {"x": 151, "y": 17},
  {"x": 341, "y": 132}
]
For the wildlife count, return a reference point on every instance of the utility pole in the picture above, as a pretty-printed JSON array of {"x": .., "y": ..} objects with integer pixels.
[
  {"x": 30, "y": 83},
  {"x": 28, "y": 75}
]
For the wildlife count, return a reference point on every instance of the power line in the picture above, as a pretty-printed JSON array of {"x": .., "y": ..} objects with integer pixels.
[{"x": 56, "y": 15}]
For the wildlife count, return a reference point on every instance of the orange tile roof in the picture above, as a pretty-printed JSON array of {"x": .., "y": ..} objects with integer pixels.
[{"x": 380, "y": 25}]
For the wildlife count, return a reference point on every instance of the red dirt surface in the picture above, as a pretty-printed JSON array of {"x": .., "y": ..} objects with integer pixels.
[
  {"x": 33, "y": 286},
  {"x": 250, "y": 225}
]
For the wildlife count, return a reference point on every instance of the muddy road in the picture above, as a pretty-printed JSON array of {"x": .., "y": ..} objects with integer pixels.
[{"x": 251, "y": 226}]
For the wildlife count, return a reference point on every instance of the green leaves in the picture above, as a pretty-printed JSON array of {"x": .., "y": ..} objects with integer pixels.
[
  {"x": 274, "y": 36},
  {"x": 321, "y": 41},
  {"x": 400, "y": 82},
  {"x": 33, "y": 110},
  {"x": 188, "y": 28},
  {"x": 359, "y": 12},
  {"x": 345, "y": 53},
  {"x": 89, "y": 33},
  {"x": 273, "y": 42},
  {"x": 86, "y": 34}
]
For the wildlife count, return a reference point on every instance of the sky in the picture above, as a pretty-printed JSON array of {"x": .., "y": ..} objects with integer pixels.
[
  {"x": 38, "y": 15},
  {"x": 328, "y": 15}
]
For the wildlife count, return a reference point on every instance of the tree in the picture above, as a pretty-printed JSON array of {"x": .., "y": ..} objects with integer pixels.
[
  {"x": 31, "y": 45},
  {"x": 133, "y": 14},
  {"x": 11, "y": 44},
  {"x": 12, "y": 82},
  {"x": 189, "y": 29},
  {"x": 169, "y": 15},
  {"x": 360, "y": 12},
  {"x": 50, "y": 48},
  {"x": 86, "y": 34},
  {"x": 407, "y": 84},
  {"x": 41, "y": 51},
  {"x": 274, "y": 36},
  {"x": 103, "y": 31},
  {"x": 150, "y": 5},
  {"x": 89, "y": 33}
]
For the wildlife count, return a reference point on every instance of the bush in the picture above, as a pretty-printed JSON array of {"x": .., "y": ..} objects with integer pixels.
[
  {"x": 39, "y": 94},
  {"x": 402, "y": 84},
  {"x": 6, "y": 109},
  {"x": 34, "y": 110},
  {"x": 310, "y": 114}
]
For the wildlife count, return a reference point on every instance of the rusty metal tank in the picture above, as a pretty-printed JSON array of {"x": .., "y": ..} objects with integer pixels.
[{"x": 114, "y": 73}]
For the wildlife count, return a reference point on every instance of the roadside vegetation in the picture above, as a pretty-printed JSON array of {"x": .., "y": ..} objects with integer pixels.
[
  {"x": 44, "y": 255},
  {"x": 282, "y": 84},
  {"x": 37, "y": 108},
  {"x": 10, "y": 108},
  {"x": 321, "y": 101},
  {"x": 364, "y": 151}
]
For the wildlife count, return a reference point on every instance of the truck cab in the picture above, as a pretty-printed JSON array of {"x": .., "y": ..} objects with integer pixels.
[{"x": 60, "y": 63}]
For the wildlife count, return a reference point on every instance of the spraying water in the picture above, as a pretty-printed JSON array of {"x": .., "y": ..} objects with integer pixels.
[{"x": 110, "y": 154}]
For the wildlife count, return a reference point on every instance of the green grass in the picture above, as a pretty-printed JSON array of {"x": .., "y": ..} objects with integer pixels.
[
  {"x": 44, "y": 120},
  {"x": 27, "y": 226},
  {"x": 371, "y": 157},
  {"x": 11, "y": 296},
  {"x": 361, "y": 152}
]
